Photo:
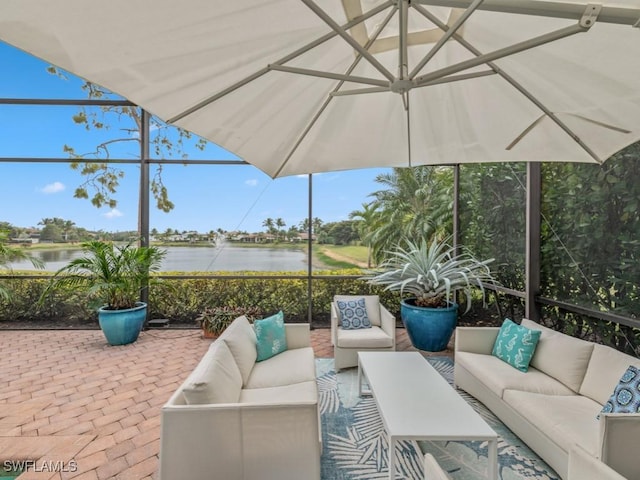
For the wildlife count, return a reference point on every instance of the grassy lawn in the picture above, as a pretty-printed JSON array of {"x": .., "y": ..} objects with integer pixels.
[{"x": 344, "y": 256}]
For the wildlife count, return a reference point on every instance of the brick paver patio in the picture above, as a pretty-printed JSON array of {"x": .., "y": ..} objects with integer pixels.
[{"x": 79, "y": 408}]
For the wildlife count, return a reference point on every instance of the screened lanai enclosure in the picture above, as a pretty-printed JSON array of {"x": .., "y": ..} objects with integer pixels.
[
  {"x": 422, "y": 98},
  {"x": 564, "y": 236}
]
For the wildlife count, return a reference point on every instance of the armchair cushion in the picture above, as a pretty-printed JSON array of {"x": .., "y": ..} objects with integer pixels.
[
  {"x": 373, "y": 337},
  {"x": 353, "y": 314}
]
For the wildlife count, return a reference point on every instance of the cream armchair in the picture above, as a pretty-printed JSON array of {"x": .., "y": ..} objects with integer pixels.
[{"x": 347, "y": 343}]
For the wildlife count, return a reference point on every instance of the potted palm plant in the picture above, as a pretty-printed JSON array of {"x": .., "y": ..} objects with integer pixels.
[
  {"x": 432, "y": 274},
  {"x": 114, "y": 276}
]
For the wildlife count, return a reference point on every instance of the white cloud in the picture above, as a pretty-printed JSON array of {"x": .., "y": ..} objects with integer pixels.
[
  {"x": 305, "y": 176},
  {"x": 252, "y": 182},
  {"x": 54, "y": 187},
  {"x": 113, "y": 213}
]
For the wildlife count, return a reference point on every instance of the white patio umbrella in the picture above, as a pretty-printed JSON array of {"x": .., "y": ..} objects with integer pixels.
[{"x": 301, "y": 86}]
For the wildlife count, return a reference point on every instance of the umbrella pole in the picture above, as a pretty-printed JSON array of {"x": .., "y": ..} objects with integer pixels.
[{"x": 310, "y": 253}]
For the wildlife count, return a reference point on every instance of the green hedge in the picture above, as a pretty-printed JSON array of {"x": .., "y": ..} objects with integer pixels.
[{"x": 182, "y": 300}]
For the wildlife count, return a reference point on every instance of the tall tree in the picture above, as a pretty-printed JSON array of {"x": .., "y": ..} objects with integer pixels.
[
  {"x": 269, "y": 224},
  {"x": 102, "y": 179},
  {"x": 415, "y": 204},
  {"x": 367, "y": 222},
  {"x": 280, "y": 224}
]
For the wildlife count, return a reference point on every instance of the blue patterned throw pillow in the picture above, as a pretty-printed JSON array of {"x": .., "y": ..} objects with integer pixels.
[
  {"x": 271, "y": 336},
  {"x": 626, "y": 396},
  {"x": 353, "y": 314},
  {"x": 516, "y": 344}
]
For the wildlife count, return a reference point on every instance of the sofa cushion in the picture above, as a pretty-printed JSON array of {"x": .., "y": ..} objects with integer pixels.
[
  {"x": 605, "y": 368},
  {"x": 271, "y": 338},
  {"x": 565, "y": 419},
  {"x": 626, "y": 396},
  {"x": 499, "y": 376},
  {"x": 373, "y": 337},
  {"x": 303, "y": 392},
  {"x": 563, "y": 357},
  {"x": 372, "y": 305},
  {"x": 292, "y": 366},
  {"x": 515, "y": 344},
  {"x": 353, "y": 314},
  {"x": 216, "y": 379},
  {"x": 241, "y": 340}
]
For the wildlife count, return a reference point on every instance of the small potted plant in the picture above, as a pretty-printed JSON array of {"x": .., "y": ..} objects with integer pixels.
[
  {"x": 114, "y": 276},
  {"x": 213, "y": 320},
  {"x": 432, "y": 274}
]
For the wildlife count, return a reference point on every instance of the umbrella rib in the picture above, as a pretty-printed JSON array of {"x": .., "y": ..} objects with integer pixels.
[
  {"x": 546, "y": 8},
  {"x": 334, "y": 76},
  {"x": 586, "y": 119},
  {"x": 349, "y": 39},
  {"x": 513, "y": 82},
  {"x": 502, "y": 52},
  {"x": 325, "y": 104},
  {"x": 449, "y": 79},
  {"x": 360, "y": 91},
  {"x": 281, "y": 61},
  {"x": 447, "y": 35}
]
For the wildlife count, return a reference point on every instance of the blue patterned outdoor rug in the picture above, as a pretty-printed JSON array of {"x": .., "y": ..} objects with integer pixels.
[{"x": 355, "y": 444}]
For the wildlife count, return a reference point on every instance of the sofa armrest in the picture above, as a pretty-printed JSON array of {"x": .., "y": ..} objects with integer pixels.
[
  {"x": 619, "y": 434},
  {"x": 583, "y": 465},
  {"x": 476, "y": 339},
  {"x": 388, "y": 323},
  {"x": 298, "y": 335},
  {"x": 232, "y": 440}
]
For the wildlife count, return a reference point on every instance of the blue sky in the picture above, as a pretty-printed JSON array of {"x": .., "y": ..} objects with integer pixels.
[{"x": 206, "y": 197}]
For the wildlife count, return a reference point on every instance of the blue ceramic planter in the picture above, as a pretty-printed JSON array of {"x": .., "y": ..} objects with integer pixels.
[
  {"x": 121, "y": 327},
  {"x": 429, "y": 329}
]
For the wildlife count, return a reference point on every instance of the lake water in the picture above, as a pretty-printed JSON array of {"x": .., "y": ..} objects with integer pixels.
[{"x": 195, "y": 259}]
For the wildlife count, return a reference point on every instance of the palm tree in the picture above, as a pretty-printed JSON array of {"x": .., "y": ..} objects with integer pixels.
[
  {"x": 269, "y": 224},
  {"x": 367, "y": 223},
  {"x": 280, "y": 224},
  {"x": 67, "y": 227},
  {"x": 415, "y": 205}
]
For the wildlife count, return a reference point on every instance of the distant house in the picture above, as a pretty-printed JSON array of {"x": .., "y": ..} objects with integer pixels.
[
  {"x": 24, "y": 238},
  {"x": 304, "y": 237},
  {"x": 252, "y": 237}
]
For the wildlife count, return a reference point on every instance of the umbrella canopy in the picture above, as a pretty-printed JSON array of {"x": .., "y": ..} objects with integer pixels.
[{"x": 303, "y": 86}]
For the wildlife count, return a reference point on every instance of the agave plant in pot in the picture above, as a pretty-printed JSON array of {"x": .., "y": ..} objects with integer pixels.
[
  {"x": 114, "y": 277},
  {"x": 431, "y": 275}
]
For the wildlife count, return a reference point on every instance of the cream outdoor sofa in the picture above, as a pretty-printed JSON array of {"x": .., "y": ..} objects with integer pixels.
[
  {"x": 237, "y": 419},
  {"x": 554, "y": 405},
  {"x": 347, "y": 343}
]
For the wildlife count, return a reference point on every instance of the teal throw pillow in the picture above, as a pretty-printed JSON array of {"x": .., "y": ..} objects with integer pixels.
[
  {"x": 516, "y": 344},
  {"x": 353, "y": 314},
  {"x": 626, "y": 396},
  {"x": 271, "y": 336}
]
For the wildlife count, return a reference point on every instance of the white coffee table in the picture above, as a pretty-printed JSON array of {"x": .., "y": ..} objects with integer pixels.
[{"x": 416, "y": 403}]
